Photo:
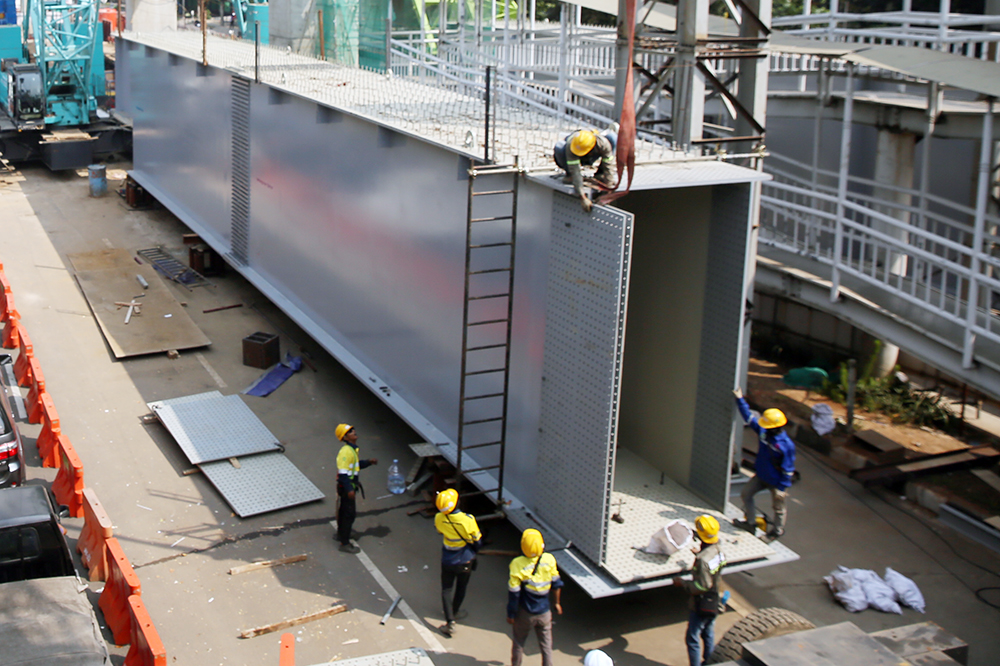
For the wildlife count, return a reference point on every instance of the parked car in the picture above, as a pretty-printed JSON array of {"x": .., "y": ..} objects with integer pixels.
[{"x": 11, "y": 453}]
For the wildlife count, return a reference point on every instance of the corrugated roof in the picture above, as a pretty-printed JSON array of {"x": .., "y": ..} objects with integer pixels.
[{"x": 952, "y": 70}]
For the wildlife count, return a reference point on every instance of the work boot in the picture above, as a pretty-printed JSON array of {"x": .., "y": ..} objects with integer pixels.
[
  {"x": 775, "y": 533},
  {"x": 605, "y": 176},
  {"x": 349, "y": 548},
  {"x": 448, "y": 629},
  {"x": 745, "y": 525}
]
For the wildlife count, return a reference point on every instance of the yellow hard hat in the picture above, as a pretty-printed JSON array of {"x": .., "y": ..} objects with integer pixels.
[
  {"x": 772, "y": 418},
  {"x": 707, "y": 528},
  {"x": 342, "y": 430},
  {"x": 532, "y": 544},
  {"x": 446, "y": 500},
  {"x": 582, "y": 142}
]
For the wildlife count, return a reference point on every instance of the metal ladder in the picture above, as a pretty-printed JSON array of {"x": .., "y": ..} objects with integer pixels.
[{"x": 487, "y": 315}]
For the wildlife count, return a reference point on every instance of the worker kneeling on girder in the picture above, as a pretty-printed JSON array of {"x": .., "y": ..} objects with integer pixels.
[{"x": 586, "y": 147}]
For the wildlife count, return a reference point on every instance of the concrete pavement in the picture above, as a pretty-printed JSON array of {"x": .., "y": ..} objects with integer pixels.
[{"x": 182, "y": 537}]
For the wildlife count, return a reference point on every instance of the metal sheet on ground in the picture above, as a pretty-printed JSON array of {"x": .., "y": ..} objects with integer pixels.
[
  {"x": 411, "y": 657},
  {"x": 211, "y": 426},
  {"x": 648, "y": 500},
  {"x": 838, "y": 644},
  {"x": 109, "y": 277},
  {"x": 263, "y": 482}
]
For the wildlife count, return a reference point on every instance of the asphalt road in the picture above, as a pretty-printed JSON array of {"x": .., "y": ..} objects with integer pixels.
[{"x": 182, "y": 538}]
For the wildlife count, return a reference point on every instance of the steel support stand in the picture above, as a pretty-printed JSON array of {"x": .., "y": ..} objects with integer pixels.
[
  {"x": 845, "y": 163},
  {"x": 982, "y": 197}
]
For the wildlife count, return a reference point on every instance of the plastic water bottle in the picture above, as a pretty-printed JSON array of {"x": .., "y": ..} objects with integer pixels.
[{"x": 397, "y": 484}]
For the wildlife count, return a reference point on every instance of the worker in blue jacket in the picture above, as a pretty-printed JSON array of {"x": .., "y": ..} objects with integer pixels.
[{"x": 774, "y": 466}]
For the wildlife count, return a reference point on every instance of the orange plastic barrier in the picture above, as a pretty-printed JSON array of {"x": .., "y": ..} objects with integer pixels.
[
  {"x": 6, "y": 298},
  {"x": 48, "y": 437},
  {"x": 26, "y": 352},
  {"x": 92, "y": 544},
  {"x": 34, "y": 399},
  {"x": 146, "y": 647},
  {"x": 68, "y": 484},
  {"x": 10, "y": 338},
  {"x": 121, "y": 584},
  {"x": 286, "y": 657}
]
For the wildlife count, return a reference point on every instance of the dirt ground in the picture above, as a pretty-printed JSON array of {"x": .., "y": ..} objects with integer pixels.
[{"x": 764, "y": 387}]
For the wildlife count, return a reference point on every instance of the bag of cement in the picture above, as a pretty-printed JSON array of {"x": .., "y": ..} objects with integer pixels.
[
  {"x": 879, "y": 595},
  {"x": 670, "y": 538},
  {"x": 906, "y": 590},
  {"x": 822, "y": 419},
  {"x": 846, "y": 591}
]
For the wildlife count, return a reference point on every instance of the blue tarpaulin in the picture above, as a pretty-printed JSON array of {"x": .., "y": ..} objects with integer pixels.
[{"x": 268, "y": 382}]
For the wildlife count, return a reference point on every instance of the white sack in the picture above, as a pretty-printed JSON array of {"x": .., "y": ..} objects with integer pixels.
[
  {"x": 846, "y": 591},
  {"x": 879, "y": 595},
  {"x": 670, "y": 538},
  {"x": 906, "y": 590},
  {"x": 822, "y": 419}
]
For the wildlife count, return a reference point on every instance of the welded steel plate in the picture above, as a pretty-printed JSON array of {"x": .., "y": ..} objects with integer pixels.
[
  {"x": 411, "y": 657},
  {"x": 647, "y": 500},
  {"x": 262, "y": 483},
  {"x": 211, "y": 426}
]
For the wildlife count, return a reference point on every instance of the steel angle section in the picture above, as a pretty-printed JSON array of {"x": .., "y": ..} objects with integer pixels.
[
  {"x": 211, "y": 426},
  {"x": 581, "y": 370},
  {"x": 262, "y": 483}
]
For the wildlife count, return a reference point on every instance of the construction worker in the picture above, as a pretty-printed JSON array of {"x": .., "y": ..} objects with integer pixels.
[
  {"x": 462, "y": 540},
  {"x": 774, "y": 466},
  {"x": 348, "y": 466},
  {"x": 704, "y": 603},
  {"x": 584, "y": 148},
  {"x": 532, "y": 576}
]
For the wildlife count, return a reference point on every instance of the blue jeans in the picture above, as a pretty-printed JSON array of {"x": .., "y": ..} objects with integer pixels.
[{"x": 700, "y": 628}]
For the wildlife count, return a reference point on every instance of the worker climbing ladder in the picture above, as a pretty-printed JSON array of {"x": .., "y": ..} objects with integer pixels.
[{"x": 491, "y": 233}]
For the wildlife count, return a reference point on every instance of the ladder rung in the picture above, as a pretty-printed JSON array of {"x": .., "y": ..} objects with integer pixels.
[
  {"x": 487, "y": 321},
  {"x": 484, "y": 372},
  {"x": 492, "y": 219},
  {"x": 478, "y": 421},
  {"x": 479, "y": 446},
  {"x": 482, "y": 245},
  {"x": 483, "y": 396},
  {"x": 490, "y": 270},
  {"x": 482, "y": 347},
  {"x": 480, "y": 469},
  {"x": 506, "y": 294},
  {"x": 489, "y": 192}
]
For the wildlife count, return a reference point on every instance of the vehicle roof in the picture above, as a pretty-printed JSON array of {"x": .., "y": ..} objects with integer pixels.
[{"x": 24, "y": 505}]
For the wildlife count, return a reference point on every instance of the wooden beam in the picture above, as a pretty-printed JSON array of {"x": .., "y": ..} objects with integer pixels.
[
  {"x": 267, "y": 564},
  {"x": 284, "y": 624}
]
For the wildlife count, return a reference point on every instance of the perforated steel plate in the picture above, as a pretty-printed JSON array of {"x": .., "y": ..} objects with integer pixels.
[
  {"x": 411, "y": 657},
  {"x": 262, "y": 483},
  {"x": 646, "y": 506},
  {"x": 211, "y": 426}
]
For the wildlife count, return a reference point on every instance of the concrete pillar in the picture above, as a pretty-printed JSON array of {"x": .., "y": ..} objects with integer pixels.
[
  {"x": 151, "y": 15},
  {"x": 887, "y": 359},
  {"x": 895, "y": 155}
]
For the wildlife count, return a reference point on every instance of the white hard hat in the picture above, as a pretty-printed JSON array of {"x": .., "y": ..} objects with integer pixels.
[{"x": 597, "y": 658}]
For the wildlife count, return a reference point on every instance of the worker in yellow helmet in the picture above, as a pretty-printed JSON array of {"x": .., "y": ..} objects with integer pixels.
[
  {"x": 586, "y": 147},
  {"x": 532, "y": 577},
  {"x": 462, "y": 540},
  {"x": 774, "y": 466},
  {"x": 704, "y": 603},
  {"x": 348, "y": 466}
]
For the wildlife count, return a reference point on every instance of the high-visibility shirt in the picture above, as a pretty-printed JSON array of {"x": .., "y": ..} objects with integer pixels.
[
  {"x": 529, "y": 586},
  {"x": 461, "y": 537},
  {"x": 348, "y": 466}
]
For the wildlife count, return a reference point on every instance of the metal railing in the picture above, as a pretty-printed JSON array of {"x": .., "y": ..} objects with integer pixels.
[{"x": 908, "y": 252}]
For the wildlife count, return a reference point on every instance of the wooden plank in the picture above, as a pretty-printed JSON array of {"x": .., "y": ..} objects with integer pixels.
[
  {"x": 267, "y": 564},
  {"x": 502, "y": 553},
  {"x": 109, "y": 276},
  {"x": 935, "y": 463},
  {"x": 988, "y": 477},
  {"x": 284, "y": 624},
  {"x": 876, "y": 440}
]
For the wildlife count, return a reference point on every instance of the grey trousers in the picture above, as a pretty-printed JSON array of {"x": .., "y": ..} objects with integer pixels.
[
  {"x": 523, "y": 624},
  {"x": 754, "y": 486}
]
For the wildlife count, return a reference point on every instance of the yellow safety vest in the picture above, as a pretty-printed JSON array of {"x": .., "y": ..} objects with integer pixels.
[{"x": 457, "y": 529}]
